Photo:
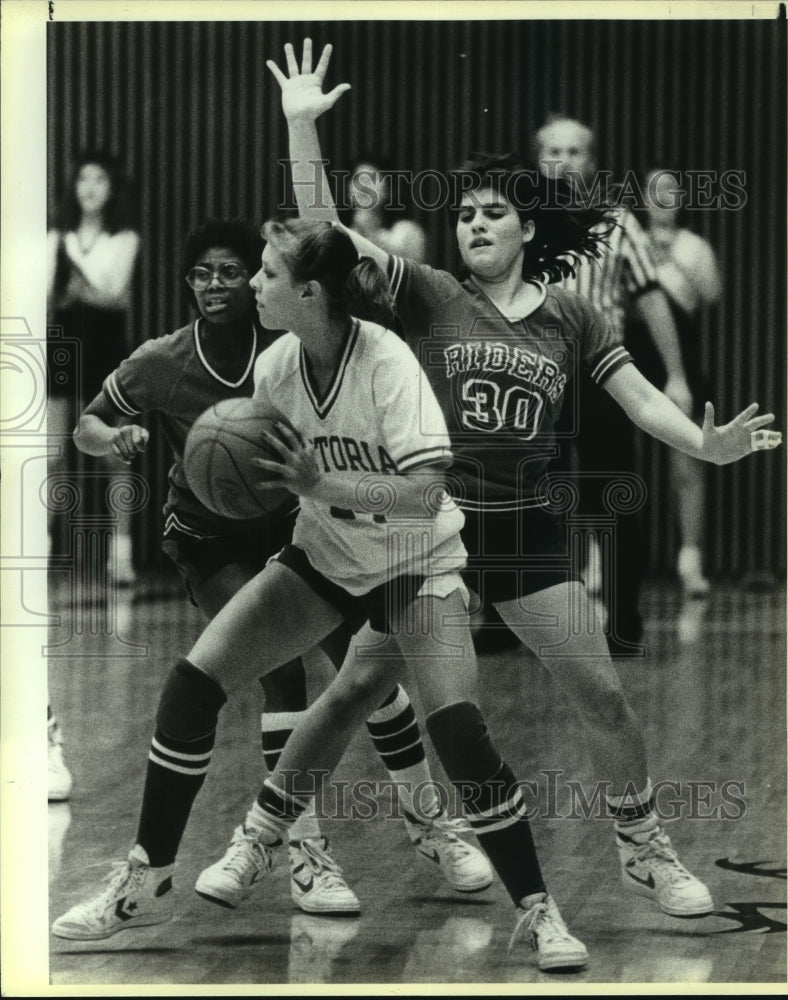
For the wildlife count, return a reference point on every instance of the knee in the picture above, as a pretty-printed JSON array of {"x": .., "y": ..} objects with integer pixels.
[
  {"x": 190, "y": 703},
  {"x": 355, "y": 690}
]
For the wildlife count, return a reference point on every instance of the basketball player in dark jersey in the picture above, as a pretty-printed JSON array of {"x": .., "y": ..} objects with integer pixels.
[{"x": 502, "y": 350}]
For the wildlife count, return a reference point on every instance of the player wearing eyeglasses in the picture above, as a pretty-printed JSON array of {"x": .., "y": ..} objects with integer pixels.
[{"x": 179, "y": 376}]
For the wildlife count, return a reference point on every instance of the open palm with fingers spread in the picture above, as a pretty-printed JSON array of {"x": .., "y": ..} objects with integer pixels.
[
  {"x": 302, "y": 89},
  {"x": 742, "y": 435}
]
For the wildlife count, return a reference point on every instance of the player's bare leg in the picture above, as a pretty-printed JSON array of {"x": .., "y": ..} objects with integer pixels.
[
  {"x": 435, "y": 650},
  {"x": 556, "y": 624}
]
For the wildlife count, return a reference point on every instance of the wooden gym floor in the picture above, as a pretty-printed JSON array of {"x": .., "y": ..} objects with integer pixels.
[{"x": 710, "y": 694}]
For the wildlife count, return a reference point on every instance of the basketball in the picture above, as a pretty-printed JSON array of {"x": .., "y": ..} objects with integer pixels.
[{"x": 217, "y": 460}]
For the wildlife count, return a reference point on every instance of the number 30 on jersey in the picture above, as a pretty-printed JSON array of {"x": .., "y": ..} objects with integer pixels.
[{"x": 486, "y": 408}]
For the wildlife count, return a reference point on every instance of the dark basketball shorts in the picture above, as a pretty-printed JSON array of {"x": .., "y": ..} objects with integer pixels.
[
  {"x": 199, "y": 556},
  {"x": 515, "y": 553},
  {"x": 379, "y": 606}
]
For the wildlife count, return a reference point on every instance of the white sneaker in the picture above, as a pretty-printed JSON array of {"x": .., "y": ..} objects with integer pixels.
[
  {"x": 650, "y": 867},
  {"x": 464, "y": 866},
  {"x": 690, "y": 573},
  {"x": 317, "y": 884},
  {"x": 59, "y": 776},
  {"x": 137, "y": 896},
  {"x": 243, "y": 866},
  {"x": 545, "y": 931}
]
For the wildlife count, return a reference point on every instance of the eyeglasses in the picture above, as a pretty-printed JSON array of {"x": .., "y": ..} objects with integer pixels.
[{"x": 230, "y": 275}]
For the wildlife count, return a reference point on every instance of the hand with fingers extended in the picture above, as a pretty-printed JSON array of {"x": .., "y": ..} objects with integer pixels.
[
  {"x": 297, "y": 470},
  {"x": 127, "y": 442},
  {"x": 302, "y": 90},
  {"x": 743, "y": 435}
]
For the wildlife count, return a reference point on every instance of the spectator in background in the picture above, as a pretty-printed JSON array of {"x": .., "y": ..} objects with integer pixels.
[
  {"x": 373, "y": 215},
  {"x": 624, "y": 274},
  {"x": 688, "y": 274},
  {"x": 92, "y": 250}
]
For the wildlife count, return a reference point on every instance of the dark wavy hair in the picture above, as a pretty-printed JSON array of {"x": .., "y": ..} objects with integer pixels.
[
  {"x": 238, "y": 235},
  {"x": 319, "y": 251},
  {"x": 120, "y": 212},
  {"x": 565, "y": 232}
]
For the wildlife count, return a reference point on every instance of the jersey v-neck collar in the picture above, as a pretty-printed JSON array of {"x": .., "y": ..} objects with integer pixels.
[
  {"x": 520, "y": 319},
  {"x": 322, "y": 407},
  {"x": 215, "y": 374}
]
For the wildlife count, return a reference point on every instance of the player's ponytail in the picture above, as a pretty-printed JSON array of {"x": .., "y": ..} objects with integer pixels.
[
  {"x": 367, "y": 293},
  {"x": 318, "y": 251}
]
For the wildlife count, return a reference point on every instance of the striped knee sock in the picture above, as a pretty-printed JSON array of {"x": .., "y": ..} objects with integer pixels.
[
  {"x": 633, "y": 812},
  {"x": 276, "y": 729},
  {"x": 179, "y": 758},
  {"x": 396, "y": 737},
  {"x": 491, "y": 798}
]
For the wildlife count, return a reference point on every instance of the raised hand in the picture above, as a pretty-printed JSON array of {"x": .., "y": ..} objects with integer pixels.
[
  {"x": 302, "y": 90},
  {"x": 740, "y": 437}
]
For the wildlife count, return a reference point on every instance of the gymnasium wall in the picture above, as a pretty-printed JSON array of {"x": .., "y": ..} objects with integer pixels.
[{"x": 194, "y": 113}]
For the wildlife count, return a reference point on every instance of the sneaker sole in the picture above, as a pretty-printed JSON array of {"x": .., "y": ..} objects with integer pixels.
[
  {"x": 690, "y": 914},
  {"x": 572, "y": 962},
  {"x": 469, "y": 890},
  {"x": 323, "y": 911},
  {"x": 213, "y": 897},
  {"x": 700, "y": 910},
  {"x": 75, "y": 935}
]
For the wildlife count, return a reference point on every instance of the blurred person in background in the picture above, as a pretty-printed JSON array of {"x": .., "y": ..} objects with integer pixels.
[
  {"x": 624, "y": 278},
  {"x": 688, "y": 273},
  {"x": 373, "y": 214},
  {"x": 92, "y": 249}
]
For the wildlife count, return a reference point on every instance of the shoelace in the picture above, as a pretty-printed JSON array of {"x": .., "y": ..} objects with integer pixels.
[
  {"x": 658, "y": 848},
  {"x": 552, "y": 927},
  {"x": 321, "y": 862},
  {"x": 443, "y": 832},
  {"x": 242, "y": 845},
  {"x": 121, "y": 874},
  {"x": 452, "y": 824}
]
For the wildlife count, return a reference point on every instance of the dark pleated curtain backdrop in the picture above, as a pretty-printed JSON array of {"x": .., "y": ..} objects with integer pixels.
[{"x": 193, "y": 112}]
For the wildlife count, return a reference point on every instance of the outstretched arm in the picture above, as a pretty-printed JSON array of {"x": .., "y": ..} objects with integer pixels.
[
  {"x": 303, "y": 101},
  {"x": 654, "y": 413}
]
